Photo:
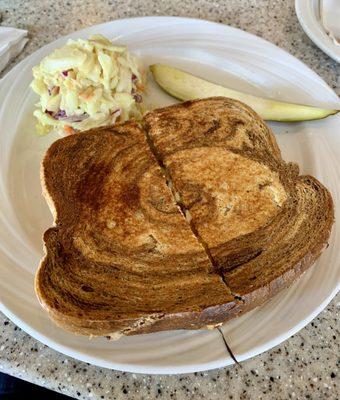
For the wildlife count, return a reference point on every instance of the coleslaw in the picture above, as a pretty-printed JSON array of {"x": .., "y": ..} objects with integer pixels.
[{"x": 87, "y": 84}]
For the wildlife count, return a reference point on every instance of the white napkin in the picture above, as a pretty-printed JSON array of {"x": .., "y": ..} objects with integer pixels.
[
  {"x": 330, "y": 18},
  {"x": 12, "y": 41}
]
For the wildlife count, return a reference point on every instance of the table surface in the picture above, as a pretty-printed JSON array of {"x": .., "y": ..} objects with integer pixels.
[{"x": 305, "y": 366}]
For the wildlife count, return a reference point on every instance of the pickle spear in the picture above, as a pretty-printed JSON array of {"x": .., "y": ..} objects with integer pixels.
[{"x": 185, "y": 86}]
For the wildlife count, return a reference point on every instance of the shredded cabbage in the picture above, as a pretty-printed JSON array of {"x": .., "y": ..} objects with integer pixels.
[{"x": 86, "y": 84}]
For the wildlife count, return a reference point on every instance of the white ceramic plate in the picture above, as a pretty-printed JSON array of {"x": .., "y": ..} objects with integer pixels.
[
  {"x": 221, "y": 54},
  {"x": 307, "y": 13}
]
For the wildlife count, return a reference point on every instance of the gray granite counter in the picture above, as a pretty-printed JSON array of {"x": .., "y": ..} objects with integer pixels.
[{"x": 305, "y": 366}]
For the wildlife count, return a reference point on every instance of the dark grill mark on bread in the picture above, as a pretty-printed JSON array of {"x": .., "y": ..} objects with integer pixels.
[
  {"x": 237, "y": 260},
  {"x": 87, "y": 288},
  {"x": 91, "y": 188},
  {"x": 130, "y": 196},
  {"x": 215, "y": 125}
]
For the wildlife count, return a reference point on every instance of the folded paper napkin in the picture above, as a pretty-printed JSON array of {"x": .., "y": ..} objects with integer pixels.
[
  {"x": 330, "y": 18},
  {"x": 12, "y": 41}
]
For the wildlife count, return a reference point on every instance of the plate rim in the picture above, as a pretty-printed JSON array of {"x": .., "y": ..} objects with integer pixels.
[{"x": 161, "y": 369}]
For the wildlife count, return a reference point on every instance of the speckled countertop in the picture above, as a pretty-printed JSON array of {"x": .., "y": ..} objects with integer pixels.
[{"x": 305, "y": 366}]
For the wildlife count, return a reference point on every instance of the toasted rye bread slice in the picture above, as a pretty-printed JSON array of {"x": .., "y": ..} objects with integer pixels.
[
  {"x": 120, "y": 256},
  {"x": 225, "y": 165}
]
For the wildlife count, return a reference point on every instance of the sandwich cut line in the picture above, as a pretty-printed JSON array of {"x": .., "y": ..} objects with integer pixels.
[
  {"x": 240, "y": 138},
  {"x": 187, "y": 217},
  {"x": 185, "y": 212}
]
